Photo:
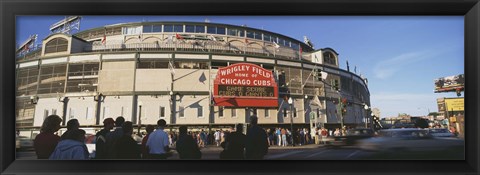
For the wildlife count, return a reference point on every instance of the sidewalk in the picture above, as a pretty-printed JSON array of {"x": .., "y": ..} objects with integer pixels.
[{"x": 309, "y": 146}]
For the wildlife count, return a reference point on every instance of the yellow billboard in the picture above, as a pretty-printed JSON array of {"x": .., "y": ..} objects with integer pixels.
[{"x": 455, "y": 104}]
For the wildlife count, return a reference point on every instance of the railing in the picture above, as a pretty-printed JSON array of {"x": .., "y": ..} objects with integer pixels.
[
  {"x": 32, "y": 53},
  {"x": 207, "y": 47}
]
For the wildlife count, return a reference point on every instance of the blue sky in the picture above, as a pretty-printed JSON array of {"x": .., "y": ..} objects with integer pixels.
[{"x": 400, "y": 55}]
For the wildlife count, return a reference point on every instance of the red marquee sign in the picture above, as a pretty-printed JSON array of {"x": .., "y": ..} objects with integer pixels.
[{"x": 245, "y": 85}]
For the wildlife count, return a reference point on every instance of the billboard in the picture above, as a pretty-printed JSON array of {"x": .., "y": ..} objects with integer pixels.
[
  {"x": 245, "y": 85},
  {"x": 450, "y": 83},
  {"x": 454, "y": 104}
]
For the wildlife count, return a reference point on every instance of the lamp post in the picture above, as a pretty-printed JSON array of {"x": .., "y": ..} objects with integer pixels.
[
  {"x": 290, "y": 102},
  {"x": 139, "y": 116},
  {"x": 366, "y": 115}
]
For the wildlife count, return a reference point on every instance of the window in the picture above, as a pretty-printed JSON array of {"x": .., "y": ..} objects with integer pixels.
[
  {"x": 190, "y": 28},
  {"x": 199, "y": 29},
  {"x": 54, "y": 111},
  {"x": 281, "y": 42},
  {"x": 82, "y": 77},
  {"x": 221, "y": 30},
  {"x": 216, "y": 65},
  {"x": 162, "y": 112},
  {"x": 172, "y": 28},
  {"x": 132, "y": 30},
  {"x": 267, "y": 113},
  {"x": 89, "y": 114},
  {"x": 152, "y": 28},
  {"x": 257, "y": 35},
  {"x": 71, "y": 115},
  {"x": 52, "y": 79},
  {"x": 106, "y": 112},
  {"x": 45, "y": 114},
  {"x": 294, "y": 46},
  {"x": 168, "y": 28},
  {"x": 56, "y": 45},
  {"x": 220, "y": 111},
  {"x": 329, "y": 58},
  {"x": 267, "y": 38},
  {"x": 250, "y": 34},
  {"x": 211, "y": 29},
  {"x": 234, "y": 113},
  {"x": 194, "y": 29},
  {"x": 178, "y": 28},
  {"x": 284, "y": 112},
  {"x": 235, "y": 32},
  {"x": 26, "y": 77},
  {"x": 181, "y": 111},
  {"x": 191, "y": 65},
  {"x": 200, "y": 111},
  {"x": 151, "y": 64}
]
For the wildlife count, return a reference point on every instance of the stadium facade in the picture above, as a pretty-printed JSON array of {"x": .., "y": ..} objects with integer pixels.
[{"x": 166, "y": 70}]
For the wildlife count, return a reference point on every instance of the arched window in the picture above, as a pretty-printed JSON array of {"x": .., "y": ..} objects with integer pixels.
[
  {"x": 329, "y": 58},
  {"x": 56, "y": 45}
]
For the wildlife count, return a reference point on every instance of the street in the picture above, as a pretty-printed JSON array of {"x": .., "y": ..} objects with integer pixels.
[{"x": 308, "y": 152}]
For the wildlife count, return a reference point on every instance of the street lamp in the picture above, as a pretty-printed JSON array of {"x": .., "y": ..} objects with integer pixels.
[
  {"x": 366, "y": 115},
  {"x": 139, "y": 116},
  {"x": 290, "y": 102}
]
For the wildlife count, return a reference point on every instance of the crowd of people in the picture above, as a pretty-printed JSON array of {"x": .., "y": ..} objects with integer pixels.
[{"x": 115, "y": 141}]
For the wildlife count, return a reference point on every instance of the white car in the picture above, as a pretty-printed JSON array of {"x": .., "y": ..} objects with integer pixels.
[
  {"x": 441, "y": 132},
  {"x": 22, "y": 142},
  {"x": 408, "y": 139}
]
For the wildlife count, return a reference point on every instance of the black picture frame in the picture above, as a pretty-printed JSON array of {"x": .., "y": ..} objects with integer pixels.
[{"x": 470, "y": 9}]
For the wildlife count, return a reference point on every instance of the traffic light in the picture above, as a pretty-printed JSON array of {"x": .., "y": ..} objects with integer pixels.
[
  {"x": 459, "y": 92},
  {"x": 335, "y": 85},
  {"x": 319, "y": 74}
]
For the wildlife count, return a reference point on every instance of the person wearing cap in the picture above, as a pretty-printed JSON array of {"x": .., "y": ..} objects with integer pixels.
[
  {"x": 256, "y": 145},
  {"x": 101, "y": 139}
]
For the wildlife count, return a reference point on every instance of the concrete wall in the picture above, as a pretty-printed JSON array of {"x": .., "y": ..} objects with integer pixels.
[
  {"x": 82, "y": 109},
  {"x": 153, "y": 80},
  {"x": 227, "y": 116},
  {"x": 46, "y": 104},
  {"x": 116, "y": 76},
  {"x": 196, "y": 109},
  {"x": 151, "y": 108},
  {"x": 115, "y": 106},
  {"x": 191, "y": 80}
]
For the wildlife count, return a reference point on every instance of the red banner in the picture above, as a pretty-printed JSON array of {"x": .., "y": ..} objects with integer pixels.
[{"x": 245, "y": 85}]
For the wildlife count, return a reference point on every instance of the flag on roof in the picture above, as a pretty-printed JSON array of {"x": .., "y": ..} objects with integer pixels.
[
  {"x": 104, "y": 40},
  {"x": 171, "y": 67},
  {"x": 276, "y": 45},
  {"x": 178, "y": 36}
]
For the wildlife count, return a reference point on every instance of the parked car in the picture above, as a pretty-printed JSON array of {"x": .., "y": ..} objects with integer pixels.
[
  {"x": 441, "y": 132},
  {"x": 351, "y": 138},
  {"x": 22, "y": 143},
  {"x": 415, "y": 141}
]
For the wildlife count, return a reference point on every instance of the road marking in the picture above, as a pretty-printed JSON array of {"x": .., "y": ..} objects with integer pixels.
[
  {"x": 317, "y": 153},
  {"x": 283, "y": 155},
  {"x": 357, "y": 151}
]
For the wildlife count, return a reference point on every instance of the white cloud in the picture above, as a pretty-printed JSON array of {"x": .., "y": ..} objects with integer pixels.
[{"x": 386, "y": 68}]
